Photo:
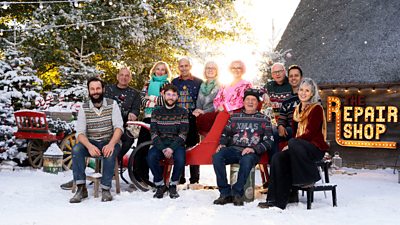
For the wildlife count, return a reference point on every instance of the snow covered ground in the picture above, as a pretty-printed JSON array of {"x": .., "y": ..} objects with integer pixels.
[{"x": 32, "y": 197}]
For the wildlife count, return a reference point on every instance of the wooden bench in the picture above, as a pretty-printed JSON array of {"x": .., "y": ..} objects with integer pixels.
[
  {"x": 325, "y": 186},
  {"x": 34, "y": 125}
]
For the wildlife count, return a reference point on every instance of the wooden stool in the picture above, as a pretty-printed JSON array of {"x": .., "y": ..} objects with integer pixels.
[
  {"x": 319, "y": 187},
  {"x": 96, "y": 178},
  {"x": 325, "y": 186}
]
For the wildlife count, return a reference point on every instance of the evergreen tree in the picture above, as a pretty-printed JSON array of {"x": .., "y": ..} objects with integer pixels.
[
  {"x": 75, "y": 74},
  {"x": 130, "y": 32},
  {"x": 19, "y": 86}
]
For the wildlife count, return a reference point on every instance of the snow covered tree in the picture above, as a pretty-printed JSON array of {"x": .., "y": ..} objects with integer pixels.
[
  {"x": 19, "y": 86},
  {"x": 75, "y": 75},
  {"x": 268, "y": 58},
  {"x": 130, "y": 32},
  {"x": 271, "y": 56}
]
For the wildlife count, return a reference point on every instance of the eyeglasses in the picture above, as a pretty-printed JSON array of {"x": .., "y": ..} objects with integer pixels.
[
  {"x": 236, "y": 68},
  {"x": 211, "y": 68},
  {"x": 277, "y": 72}
]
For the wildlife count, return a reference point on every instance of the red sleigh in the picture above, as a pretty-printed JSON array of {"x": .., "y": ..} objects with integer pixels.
[{"x": 201, "y": 154}]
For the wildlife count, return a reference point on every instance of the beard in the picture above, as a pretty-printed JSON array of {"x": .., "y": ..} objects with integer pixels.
[
  {"x": 167, "y": 103},
  {"x": 96, "y": 100}
]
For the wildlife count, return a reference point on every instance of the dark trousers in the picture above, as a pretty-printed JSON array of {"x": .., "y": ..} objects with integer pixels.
[
  {"x": 191, "y": 140},
  {"x": 231, "y": 155},
  {"x": 295, "y": 166},
  {"x": 141, "y": 168},
  {"x": 153, "y": 160}
]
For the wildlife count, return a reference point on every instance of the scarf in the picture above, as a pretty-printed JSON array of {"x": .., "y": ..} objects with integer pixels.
[
  {"x": 207, "y": 87},
  {"x": 156, "y": 82},
  {"x": 302, "y": 118}
]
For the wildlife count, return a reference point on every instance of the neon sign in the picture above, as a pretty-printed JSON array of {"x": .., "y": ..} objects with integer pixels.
[{"x": 363, "y": 125}]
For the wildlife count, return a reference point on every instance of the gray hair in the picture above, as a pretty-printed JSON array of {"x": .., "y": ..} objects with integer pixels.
[
  {"x": 186, "y": 59},
  {"x": 314, "y": 89}
]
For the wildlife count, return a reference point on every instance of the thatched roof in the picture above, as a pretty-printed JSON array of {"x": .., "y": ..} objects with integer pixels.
[{"x": 346, "y": 41}]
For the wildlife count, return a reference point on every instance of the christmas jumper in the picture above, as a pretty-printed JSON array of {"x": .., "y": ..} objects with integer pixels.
[
  {"x": 128, "y": 99},
  {"x": 169, "y": 127},
  {"x": 248, "y": 130},
  {"x": 188, "y": 91}
]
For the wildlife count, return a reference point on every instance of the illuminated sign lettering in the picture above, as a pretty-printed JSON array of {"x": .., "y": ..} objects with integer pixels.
[{"x": 363, "y": 126}]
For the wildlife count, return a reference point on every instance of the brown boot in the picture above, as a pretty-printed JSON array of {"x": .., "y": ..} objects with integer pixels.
[{"x": 80, "y": 194}]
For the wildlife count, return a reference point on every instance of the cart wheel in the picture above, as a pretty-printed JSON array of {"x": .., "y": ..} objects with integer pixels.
[
  {"x": 35, "y": 151},
  {"x": 67, "y": 144},
  {"x": 141, "y": 184}
]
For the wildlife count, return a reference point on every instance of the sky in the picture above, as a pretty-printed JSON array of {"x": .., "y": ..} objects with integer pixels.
[{"x": 260, "y": 14}]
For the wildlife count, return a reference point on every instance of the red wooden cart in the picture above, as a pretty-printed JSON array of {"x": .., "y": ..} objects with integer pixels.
[{"x": 34, "y": 127}]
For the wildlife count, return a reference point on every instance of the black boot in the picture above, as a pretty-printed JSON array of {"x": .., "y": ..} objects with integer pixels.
[
  {"x": 293, "y": 196},
  {"x": 238, "y": 200},
  {"x": 223, "y": 200},
  {"x": 80, "y": 194},
  {"x": 160, "y": 191},
  {"x": 106, "y": 195},
  {"x": 172, "y": 191}
]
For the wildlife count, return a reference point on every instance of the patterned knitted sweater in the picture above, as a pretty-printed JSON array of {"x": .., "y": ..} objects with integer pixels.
[
  {"x": 128, "y": 99},
  {"x": 248, "y": 130},
  {"x": 169, "y": 127},
  {"x": 287, "y": 109},
  {"x": 188, "y": 92},
  {"x": 278, "y": 93}
]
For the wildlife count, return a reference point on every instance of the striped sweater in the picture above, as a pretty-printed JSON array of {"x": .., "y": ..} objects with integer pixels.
[{"x": 169, "y": 127}]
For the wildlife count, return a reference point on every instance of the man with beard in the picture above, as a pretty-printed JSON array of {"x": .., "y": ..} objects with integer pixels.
[
  {"x": 129, "y": 101},
  {"x": 98, "y": 131},
  {"x": 169, "y": 127}
]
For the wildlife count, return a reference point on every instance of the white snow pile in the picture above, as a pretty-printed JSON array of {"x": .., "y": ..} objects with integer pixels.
[{"x": 369, "y": 197}]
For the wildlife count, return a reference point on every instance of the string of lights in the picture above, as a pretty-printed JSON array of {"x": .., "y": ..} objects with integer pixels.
[
  {"x": 76, "y": 3},
  {"x": 77, "y": 25}
]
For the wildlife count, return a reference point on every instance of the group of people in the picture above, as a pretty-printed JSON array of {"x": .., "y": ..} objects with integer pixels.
[{"x": 181, "y": 110}]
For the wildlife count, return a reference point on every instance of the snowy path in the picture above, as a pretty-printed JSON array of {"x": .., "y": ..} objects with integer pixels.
[{"x": 31, "y": 197}]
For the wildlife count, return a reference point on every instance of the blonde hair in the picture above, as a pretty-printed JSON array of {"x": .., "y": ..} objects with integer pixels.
[
  {"x": 169, "y": 74},
  {"x": 241, "y": 65},
  {"x": 208, "y": 63}
]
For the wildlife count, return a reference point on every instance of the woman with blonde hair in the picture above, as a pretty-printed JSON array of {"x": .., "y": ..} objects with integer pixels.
[{"x": 159, "y": 76}]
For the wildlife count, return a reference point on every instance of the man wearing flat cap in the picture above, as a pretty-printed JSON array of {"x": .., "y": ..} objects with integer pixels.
[{"x": 247, "y": 135}]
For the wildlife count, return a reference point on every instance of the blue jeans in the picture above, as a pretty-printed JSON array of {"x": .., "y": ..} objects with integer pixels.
[
  {"x": 79, "y": 154},
  {"x": 230, "y": 155},
  {"x": 154, "y": 157}
]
